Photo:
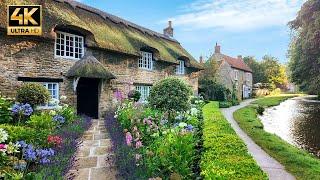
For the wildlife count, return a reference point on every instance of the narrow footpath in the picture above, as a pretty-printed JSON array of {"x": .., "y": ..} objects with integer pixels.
[
  {"x": 269, "y": 165},
  {"x": 94, "y": 159}
]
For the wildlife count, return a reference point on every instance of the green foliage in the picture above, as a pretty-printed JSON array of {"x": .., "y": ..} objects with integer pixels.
[
  {"x": 305, "y": 49},
  {"x": 42, "y": 121},
  {"x": 172, "y": 153},
  {"x": 33, "y": 94},
  {"x": 5, "y": 113},
  {"x": 260, "y": 110},
  {"x": 318, "y": 97},
  {"x": 272, "y": 101},
  {"x": 225, "y": 104},
  {"x": 69, "y": 113},
  {"x": 225, "y": 155},
  {"x": 300, "y": 163},
  {"x": 28, "y": 134},
  {"x": 135, "y": 95},
  {"x": 212, "y": 90},
  {"x": 258, "y": 71},
  {"x": 171, "y": 95}
]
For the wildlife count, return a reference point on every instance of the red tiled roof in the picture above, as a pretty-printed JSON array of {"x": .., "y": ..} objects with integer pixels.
[{"x": 237, "y": 63}]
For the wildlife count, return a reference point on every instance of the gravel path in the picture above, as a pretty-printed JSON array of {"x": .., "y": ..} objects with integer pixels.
[{"x": 269, "y": 165}]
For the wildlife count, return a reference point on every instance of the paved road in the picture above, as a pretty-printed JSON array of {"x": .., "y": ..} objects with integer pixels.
[{"x": 269, "y": 165}]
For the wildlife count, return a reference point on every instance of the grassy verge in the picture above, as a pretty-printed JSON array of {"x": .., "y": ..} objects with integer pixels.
[
  {"x": 273, "y": 100},
  {"x": 300, "y": 163},
  {"x": 225, "y": 155}
]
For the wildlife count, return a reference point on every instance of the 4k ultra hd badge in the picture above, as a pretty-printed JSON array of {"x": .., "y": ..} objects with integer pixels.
[{"x": 24, "y": 20}]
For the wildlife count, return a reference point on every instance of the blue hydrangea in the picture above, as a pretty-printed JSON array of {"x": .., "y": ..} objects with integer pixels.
[
  {"x": 22, "y": 109},
  {"x": 29, "y": 153},
  {"x": 189, "y": 127},
  {"x": 58, "y": 118},
  {"x": 23, "y": 144},
  {"x": 44, "y": 155}
]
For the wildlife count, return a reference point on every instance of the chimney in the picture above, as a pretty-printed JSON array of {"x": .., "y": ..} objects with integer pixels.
[
  {"x": 201, "y": 60},
  {"x": 239, "y": 56},
  {"x": 217, "y": 49},
  {"x": 169, "y": 30}
]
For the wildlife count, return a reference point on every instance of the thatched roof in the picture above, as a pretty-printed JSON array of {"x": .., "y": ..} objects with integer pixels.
[
  {"x": 89, "y": 67},
  {"x": 107, "y": 31}
]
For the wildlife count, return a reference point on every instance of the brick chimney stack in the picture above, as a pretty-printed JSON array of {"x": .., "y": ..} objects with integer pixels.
[
  {"x": 217, "y": 49},
  {"x": 239, "y": 56},
  {"x": 169, "y": 30},
  {"x": 201, "y": 60}
]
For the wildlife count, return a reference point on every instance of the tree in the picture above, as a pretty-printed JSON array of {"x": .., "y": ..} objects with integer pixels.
[
  {"x": 258, "y": 71},
  {"x": 274, "y": 71},
  {"x": 305, "y": 47}
]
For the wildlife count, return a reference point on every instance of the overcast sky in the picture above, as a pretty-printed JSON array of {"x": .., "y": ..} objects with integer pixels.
[{"x": 246, "y": 27}]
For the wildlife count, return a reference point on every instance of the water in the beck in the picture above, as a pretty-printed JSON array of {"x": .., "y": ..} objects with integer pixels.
[{"x": 297, "y": 121}]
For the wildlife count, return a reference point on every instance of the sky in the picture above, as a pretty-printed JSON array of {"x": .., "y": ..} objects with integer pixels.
[{"x": 242, "y": 27}]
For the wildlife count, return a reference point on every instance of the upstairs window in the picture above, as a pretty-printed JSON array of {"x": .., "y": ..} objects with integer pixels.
[
  {"x": 145, "y": 61},
  {"x": 144, "y": 91},
  {"x": 236, "y": 75},
  {"x": 248, "y": 77},
  {"x": 69, "y": 46},
  {"x": 180, "y": 67}
]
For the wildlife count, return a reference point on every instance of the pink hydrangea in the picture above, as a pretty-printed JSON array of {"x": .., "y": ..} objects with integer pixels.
[
  {"x": 128, "y": 138},
  {"x": 138, "y": 144}
]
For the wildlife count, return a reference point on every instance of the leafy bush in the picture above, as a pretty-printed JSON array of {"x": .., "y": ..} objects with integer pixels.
[
  {"x": 170, "y": 94},
  {"x": 42, "y": 121},
  {"x": 33, "y": 94},
  {"x": 5, "y": 114},
  {"x": 172, "y": 153},
  {"x": 69, "y": 113},
  {"x": 260, "y": 110},
  {"x": 28, "y": 134},
  {"x": 277, "y": 91},
  {"x": 212, "y": 90},
  {"x": 225, "y": 104},
  {"x": 225, "y": 155},
  {"x": 318, "y": 96},
  {"x": 135, "y": 95}
]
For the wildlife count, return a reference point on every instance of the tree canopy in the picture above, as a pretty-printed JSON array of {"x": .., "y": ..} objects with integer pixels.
[{"x": 305, "y": 47}]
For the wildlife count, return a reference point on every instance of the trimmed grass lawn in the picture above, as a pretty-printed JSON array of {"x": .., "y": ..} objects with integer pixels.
[
  {"x": 299, "y": 162},
  {"x": 225, "y": 156}
]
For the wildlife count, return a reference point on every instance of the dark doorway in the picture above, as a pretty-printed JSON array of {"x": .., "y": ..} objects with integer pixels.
[{"x": 88, "y": 97}]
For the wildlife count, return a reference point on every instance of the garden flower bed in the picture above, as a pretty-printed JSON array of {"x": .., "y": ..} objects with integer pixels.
[{"x": 38, "y": 144}]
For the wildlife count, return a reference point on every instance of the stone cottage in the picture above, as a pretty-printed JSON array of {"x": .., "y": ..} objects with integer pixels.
[
  {"x": 88, "y": 55},
  {"x": 233, "y": 73}
]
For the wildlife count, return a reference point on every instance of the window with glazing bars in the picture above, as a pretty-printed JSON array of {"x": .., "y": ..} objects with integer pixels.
[
  {"x": 145, "y": 61},
  {"x": 144, "y": 91},
  {"x": 180, "y": 67},
  {"x": 69, "y": 46}
]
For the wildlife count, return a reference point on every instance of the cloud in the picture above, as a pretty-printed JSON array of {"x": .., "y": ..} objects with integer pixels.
[{"x": 237, "y": 15}]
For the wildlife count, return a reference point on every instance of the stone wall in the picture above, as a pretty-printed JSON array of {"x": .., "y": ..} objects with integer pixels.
[{"x": 32, "y": 57}]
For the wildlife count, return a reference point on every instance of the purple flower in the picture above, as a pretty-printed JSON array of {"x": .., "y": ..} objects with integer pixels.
[
  {"x": 44, "y": 154},
  {"x": 128, "y": 138},
  {"x": 189, "y": 127},
  {"x": 118, "y": 95},
  {"x": 29, "y": 153},
  {"x": 138, "y": 144},
  {"x": 58, "y": 118},
  {"x": 23, "y": 144},
  {"x": 22, "y": 109}
]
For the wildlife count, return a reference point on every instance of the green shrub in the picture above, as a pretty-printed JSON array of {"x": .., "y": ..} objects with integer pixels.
[
  {"x": 135, "y": 95},
  {"x": 277, "y": 91},
  {"x": 225, "y": 155},
  {"x": 33, "y": 94},
  {"x": 170, "y": 94},
  {"x": 260, "y": 110},
  {"x": 5, "y": 113},
  {"x": 212, "y": 90},
  {"x": 225, "y": 104},
  {"x": 28, "y": 134},
  {"x": 318, "y": 96},
  {"x": 42, "y": 121},
  {"x": 69, "y": 113},
  {"x": 172, "y": 153}
]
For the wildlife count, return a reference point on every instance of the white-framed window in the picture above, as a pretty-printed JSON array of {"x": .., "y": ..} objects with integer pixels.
[
  {"x": 53, "y": 89},
  {"x": 248, "y": 77},
  {"x": 180, "y": 68},
  {"x": 144, "y": 91},
  {"x": 69, "y": 46},
  {"x": 236, "y": 74},
  {"x": 145, "y": 61}
]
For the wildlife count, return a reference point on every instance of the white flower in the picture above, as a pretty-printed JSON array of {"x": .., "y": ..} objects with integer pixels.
[
  {"x": 54, "y": 102},
  {"x": 13, "y": 148},
  {"x": 58, "y": 108},
  {"x": 3, "y": 135},
  {"x": 52, "y": 112},
  {"x": 194, "y": 112},
  {"x": 63, "y": 98},
  {"x": 182, "y": 124}
]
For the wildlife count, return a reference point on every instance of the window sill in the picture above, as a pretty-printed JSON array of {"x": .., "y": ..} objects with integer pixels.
[{"x": 66, "y": 58}]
